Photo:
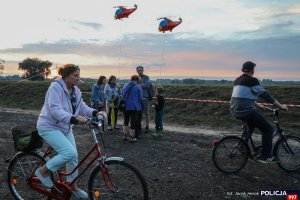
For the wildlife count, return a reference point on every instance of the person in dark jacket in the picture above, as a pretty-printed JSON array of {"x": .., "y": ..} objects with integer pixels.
[
  {"x": 159, "y": 111},
  {"x": 243, "y": 106},
  {"x": 147, "y": 90}
]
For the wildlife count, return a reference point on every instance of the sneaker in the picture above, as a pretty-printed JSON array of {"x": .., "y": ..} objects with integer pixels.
[
  {"x": 109, "y": 127},
  {"x": 146, "y": 129},
  {"x": 80, "y": 194},
  {"x": 46, "y": 181},
  {"x": 117, "y": 126},
  {"x": 267, "y": 160}
]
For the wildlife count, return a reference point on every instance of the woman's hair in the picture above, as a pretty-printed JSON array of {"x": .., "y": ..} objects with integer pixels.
[
  {"x": 135, "y": 78},
  {"x": 67, "y": 69},
  {"x": 101, "y": 80},
  {"x": 111, "y": 78}
]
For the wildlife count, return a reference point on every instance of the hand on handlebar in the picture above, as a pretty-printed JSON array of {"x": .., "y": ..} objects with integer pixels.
[
  {"x": 283, "y": 107},
  {"x": 81, "y": 120},
  {"x": 103, "y": 113}
]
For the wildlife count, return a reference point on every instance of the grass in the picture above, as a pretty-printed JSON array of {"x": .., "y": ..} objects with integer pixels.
[{"x": 30, "y": 95}]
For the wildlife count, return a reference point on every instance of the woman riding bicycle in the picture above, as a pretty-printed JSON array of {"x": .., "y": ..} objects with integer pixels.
[
  {"x": 243, "y": 100},
  {"x": 63, "y": 107}
]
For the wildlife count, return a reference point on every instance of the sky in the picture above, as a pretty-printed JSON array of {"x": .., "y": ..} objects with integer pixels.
[{"x": 213, "y": 41}]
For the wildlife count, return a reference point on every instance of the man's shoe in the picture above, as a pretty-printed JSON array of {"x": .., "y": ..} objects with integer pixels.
[
  {"x": 80, "y": 194},
  {"x": 117, "y": 126},
  {"x": 269, "y": 160},
  {"x": 146, "y": 129},
  {"x": 109, "y": 127},
  {"x": 132, "y": 139}
]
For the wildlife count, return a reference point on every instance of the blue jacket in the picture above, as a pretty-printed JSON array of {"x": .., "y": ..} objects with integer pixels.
[
  {"x": 97, "y": 93},
  {"x": 57, "y": 109},
  {"x": 134, "y": 99}
]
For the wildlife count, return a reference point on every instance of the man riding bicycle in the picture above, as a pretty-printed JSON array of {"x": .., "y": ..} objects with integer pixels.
[{"x": 243, "y": 101}]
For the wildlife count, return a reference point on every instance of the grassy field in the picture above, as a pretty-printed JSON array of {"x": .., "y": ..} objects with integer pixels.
[{"x": 30, "y": 95}]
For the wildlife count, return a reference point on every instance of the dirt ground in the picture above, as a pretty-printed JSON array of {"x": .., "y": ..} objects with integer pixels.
[{"x": 176, "y": 166}]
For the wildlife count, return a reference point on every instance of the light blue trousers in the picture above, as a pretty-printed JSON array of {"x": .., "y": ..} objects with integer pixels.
[{"x": 65, "y": 146}]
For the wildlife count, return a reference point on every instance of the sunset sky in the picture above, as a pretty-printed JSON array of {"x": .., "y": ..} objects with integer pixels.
[{"x": 213, "y": 41}]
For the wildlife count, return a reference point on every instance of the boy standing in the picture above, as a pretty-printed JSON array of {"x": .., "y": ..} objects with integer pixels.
[{"x": 159, "y": 111}]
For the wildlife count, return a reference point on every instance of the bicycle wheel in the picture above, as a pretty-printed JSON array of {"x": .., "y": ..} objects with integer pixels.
[
  {"x": 230, "y": 154},
  {"x": 118, "y": 180},
  {"x": 287, "y": 152},
  {"x": 19, "y": 173}
]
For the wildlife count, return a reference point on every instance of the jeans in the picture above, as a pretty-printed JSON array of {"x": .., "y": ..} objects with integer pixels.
[
  {"x": 158, "y": 119},
  {"x": 257, "y": 120},
  {"x": 65, "y": 146}
]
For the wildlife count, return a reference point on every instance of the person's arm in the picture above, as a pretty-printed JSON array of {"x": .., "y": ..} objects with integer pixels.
[
  {"x": 145, "y": 82},
  {"x": 279, "y": 105},
  {"x": 140, "y": 94},
  {"x": 261, "y": 92}
]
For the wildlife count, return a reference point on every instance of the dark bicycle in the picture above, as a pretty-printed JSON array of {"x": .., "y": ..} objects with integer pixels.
[
  {"x": 231, "y": 153},
  {"x": 111, "y": 177}
]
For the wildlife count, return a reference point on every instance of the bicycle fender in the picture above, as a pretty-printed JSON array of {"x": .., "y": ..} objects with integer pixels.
[{"x": 113, "y": 159}]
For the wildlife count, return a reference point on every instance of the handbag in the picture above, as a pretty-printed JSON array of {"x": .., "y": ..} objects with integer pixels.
[{"x": 122, "y": 104}]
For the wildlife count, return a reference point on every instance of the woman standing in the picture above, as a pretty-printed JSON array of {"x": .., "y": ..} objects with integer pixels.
[
  {"x": 133, "y": 95},
  {"x": 97, "y": 98},
  {"x": 112, "y": 95}
]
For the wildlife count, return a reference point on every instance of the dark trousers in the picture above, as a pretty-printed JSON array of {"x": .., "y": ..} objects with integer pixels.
[
  {"x": 132, "y": 116},
  {"x": 159, "y": 119},
  {"x": 257, "y": 120},
  {"x": 138, "y": 128}
]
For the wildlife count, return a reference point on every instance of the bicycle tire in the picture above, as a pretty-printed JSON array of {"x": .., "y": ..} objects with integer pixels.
[
  {"x": 282, "y": 150},
  {"x": 19, "y": 171},
  {"x": 234, "y": 157},
  {"x": 123, "y": 181}
]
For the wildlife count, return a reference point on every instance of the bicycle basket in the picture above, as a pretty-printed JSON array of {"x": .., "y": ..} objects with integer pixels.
[{"x": 26, "y": 138}]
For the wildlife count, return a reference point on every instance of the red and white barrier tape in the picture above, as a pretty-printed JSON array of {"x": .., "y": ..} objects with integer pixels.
[
  {"x": 226, "y": 102},
  {"x": 214, "y": 101}
]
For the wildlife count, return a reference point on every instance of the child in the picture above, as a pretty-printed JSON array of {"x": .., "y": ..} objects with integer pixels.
[{"x": 159, "y": 111}]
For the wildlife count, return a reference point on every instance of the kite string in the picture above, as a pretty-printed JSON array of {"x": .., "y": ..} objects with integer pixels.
[
  {"x": 25, "y": 79},
  {"x": 120, "y": 50},
  {"x": 162, "y": 57}
]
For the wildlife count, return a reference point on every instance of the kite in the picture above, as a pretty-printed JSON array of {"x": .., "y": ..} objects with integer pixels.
[
  {"x": 123, "y": 12},
  {"x": 168, "y": 25}
]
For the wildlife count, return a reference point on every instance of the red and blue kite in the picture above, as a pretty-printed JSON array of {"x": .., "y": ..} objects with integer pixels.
[
  {"x": 123, "y": 12},
  {"x": 167, "y": 24}
]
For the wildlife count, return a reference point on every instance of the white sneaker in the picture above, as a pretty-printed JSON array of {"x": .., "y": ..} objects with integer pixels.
[
  {"x": 117, "y": 126},
  {"x": 109, "y": 127}
]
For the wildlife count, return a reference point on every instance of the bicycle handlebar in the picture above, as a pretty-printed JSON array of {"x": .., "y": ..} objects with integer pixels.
[
  {"x": 96, "y": 122},
  {"x": 271, "y": 109},
  {"x": 274, "y": 110}
]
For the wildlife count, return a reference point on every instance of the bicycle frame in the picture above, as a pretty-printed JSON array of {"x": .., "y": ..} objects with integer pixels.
[{"x": 62, "y": 190}]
